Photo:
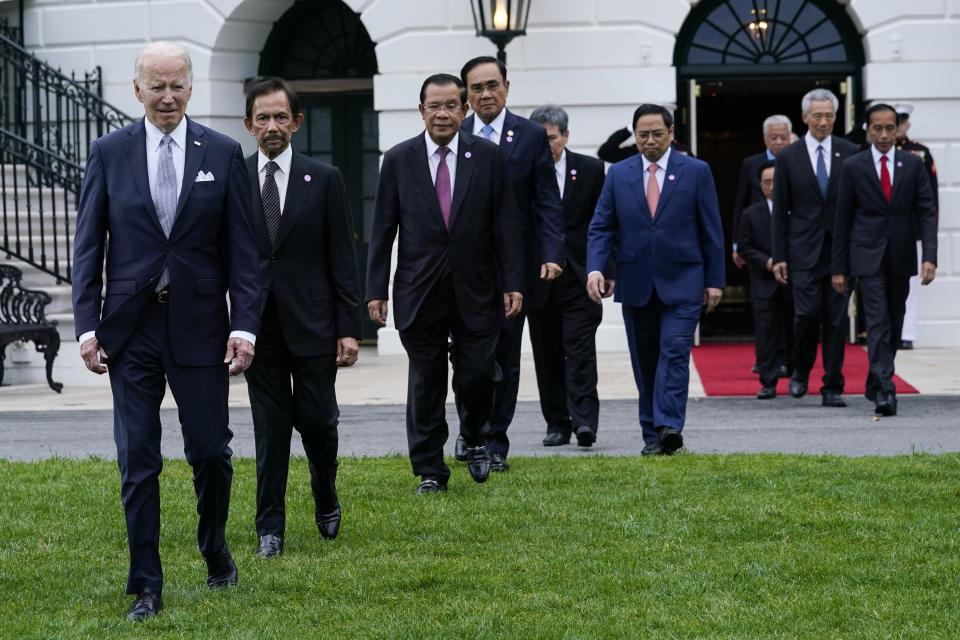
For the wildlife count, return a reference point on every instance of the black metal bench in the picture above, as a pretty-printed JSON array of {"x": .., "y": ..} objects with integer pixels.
[{"x": 22, "y": 318}]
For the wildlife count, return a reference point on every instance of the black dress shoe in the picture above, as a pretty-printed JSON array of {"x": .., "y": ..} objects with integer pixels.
[
  {"x": 652, "y": 449},
  {"x": 831, "y": 399},
  {"x": 429, "y": 485},
  {"x": 221, "y": 570},
  {"x": 328, "y": 522},
  {"x": 555, "y": 439},
  {"x": 797, "y": 386},
  {"x": 768, "y": 392},
  {"x": 886, "y": 405},
  {"x": 460, "y": 449},
  {"x": 498, "y": 463},
  {"x": 270, "y": 546},
  {"x": 906, "y": 344},
  {"x": 147, "y": 605},
  {"x": 478, "y": 463},
  {"x": 585, "y": 436},
  {"x": 670, "y": 439}
]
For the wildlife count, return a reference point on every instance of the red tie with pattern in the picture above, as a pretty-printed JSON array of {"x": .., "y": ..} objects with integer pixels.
[
  {"x": 443, "y": 185},
  {"x": 885, "y": 177},
  {"x": 653, "y": 190}
]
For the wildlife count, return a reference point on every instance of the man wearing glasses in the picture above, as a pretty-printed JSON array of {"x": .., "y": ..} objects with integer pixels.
[{"x": 659, "y": 210}]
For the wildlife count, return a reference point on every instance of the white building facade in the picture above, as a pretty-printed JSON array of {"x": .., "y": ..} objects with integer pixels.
[{"x": 597, "y": 58}]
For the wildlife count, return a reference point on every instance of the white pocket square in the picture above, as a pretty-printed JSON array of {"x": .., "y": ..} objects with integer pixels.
[{"x": 204, "y": 177}]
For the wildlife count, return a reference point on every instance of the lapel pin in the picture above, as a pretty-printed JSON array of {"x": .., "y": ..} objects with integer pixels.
[
  {"x": 467, "y": 154},
  {"x": 899, "y": 164},
  {"x": 307, "y": 178},
  {"x": 836, "y": 153},
  {"x": 509, "y": 139},
  {"x": 671, "y": 177},
  {"x": 510, "y": 133},
  {"x": 573, "y": 172},
  {"x": 196, "y": 142}
]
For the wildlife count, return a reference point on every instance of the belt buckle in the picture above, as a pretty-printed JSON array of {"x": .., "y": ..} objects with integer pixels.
[{"x": 163, "y": 296}]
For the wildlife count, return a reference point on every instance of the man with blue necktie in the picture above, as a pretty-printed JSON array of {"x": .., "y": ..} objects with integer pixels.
[{"x": 804, "y": 204}]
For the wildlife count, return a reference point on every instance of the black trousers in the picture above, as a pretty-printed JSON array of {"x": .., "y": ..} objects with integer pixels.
[
  {"x": 289, "y": 391},
  {"x": 884, "y": 298},
  {"x": 773, "y": 326},
  {"x": 426, "y": 343},
  {"x": 820, "y": 316},
  {"x": 138, "y": 377},
  {"x": 563, "y": 336}
]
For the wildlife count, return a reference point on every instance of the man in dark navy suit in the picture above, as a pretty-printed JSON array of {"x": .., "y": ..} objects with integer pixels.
[
  {"x": 885, "y": 204},
  {"x": 658, "y": 210},
  {"x": 166, "y": 203},
  {"x": 563, "y": 331},
  {"x": 526, "y": 152},
  {"x": 311, "y": 311},
  {"x": 772, "y": 301},
  {"x": 459, "y": 273},
  {"x": 804, "y": 204}
]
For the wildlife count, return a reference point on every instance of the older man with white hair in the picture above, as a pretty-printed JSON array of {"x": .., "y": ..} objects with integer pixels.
[{"x": 173, "y": 198}]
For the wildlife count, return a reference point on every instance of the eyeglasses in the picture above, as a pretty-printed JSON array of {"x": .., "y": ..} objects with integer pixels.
[
  {"x": 450, "y": 107},
  {"x": 489, "y": 85},
  {"x": 656, "y": 134}
]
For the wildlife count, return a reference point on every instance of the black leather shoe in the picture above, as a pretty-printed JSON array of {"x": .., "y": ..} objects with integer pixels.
[
  {"x": 585, "y": 436},
  {"x": 221, "y": 570},
  {"x": 652, "y": 449},
  {"x": 670, "y": 439},
  {"x": 429, "y": 485},
  {"x": 797, "y": 386},
  {"x": 270, "y": 546},
  {"x": 886, "y": 405},
  {"x": 783, "y": 372},
  {"x": 328, "y": 522},
  {"x": 147, "y": 605},
  {"x": 498, "y": 463},
  {"x": 460, "y": 449},
  {"x": 831, "y": 399},
  {"x": 768, "y": 392},
  {"x": 555, "y": 439},
  {"x": 478, "y": 463},
  {"x": 906, "y": 344}
]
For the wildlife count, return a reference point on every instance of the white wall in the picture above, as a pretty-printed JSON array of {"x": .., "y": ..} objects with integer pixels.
[{"x": 598, "y": 58}]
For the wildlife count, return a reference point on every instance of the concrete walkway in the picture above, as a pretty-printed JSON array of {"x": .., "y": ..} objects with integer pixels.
[{"x": 37, "y": 423}]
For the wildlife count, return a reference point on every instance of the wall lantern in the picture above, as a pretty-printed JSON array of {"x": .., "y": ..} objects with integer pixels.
[{"x": 500, "y": 21}]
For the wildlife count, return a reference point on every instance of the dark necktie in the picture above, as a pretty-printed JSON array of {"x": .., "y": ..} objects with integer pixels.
[
  {"x": 165, "y": 196},
  {"x": 885, "y": 178},
  {"x": 270, "y": 196},
  {"x": 443, "y": 185},
  {"x": 823, "y": 178}
]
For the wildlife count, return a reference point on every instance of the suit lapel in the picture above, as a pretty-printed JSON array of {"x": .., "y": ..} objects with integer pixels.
[
  {"x": 193, "y": 158},
  {"x": 509, "y": 136},
  {"x": 803, "y": 158},
  {"x": 256, "y": 208},
  {"x": 898, "y": 175},
  {"x": 672, "y": 176},
  {"x": 635, "y": 176},
  {"x": 835, "y": 162},
  {"x": 298, "y": 185},
  {"x": 569, "y": 184},
  {"x": 136, "y": 150},
  {"x": 465, "y": 166},
  {"x": 421, "y": 176}
]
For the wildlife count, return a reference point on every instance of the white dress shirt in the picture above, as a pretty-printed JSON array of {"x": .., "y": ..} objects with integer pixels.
[
  {"x": 661, "y": 173},
  {"x": 770, "y": 206},
  {"x": 281, "y": 176},
  {"x": 497, "y": 125},
  {"x": 876, "y": 161},
  {"x": 154, "y": 137},
  {"x": 561, "y": 168},
  {"x": 433, "y": 158},
  {"x": 812, "y": 144}
]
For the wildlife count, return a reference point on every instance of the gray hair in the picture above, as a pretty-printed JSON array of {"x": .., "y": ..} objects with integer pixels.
[
  {"x": 162, "y": 49},
  {"x": 775, "y": 121},
  {"x": 819, "y": 95},
  {"x": 551, "y": 114}
]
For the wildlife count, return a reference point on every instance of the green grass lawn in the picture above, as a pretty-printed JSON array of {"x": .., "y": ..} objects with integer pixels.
[{"x": 694, "y": 546}]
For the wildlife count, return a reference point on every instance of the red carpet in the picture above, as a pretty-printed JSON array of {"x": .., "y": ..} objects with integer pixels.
[{"x": 724, "y": 369}]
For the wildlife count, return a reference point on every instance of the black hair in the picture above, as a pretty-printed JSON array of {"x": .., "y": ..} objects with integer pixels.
[
  {"x": 473, "y": 62},
  {"x": 442, "y": 80},
  {"x": 264, "y": 85},
  {"x": 646, "y": 109},
  {"x": 769, "y": 164},
  {"x": 880, "y": 106}
]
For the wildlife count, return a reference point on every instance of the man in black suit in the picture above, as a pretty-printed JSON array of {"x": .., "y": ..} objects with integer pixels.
[
  {"x": 563, "y": 331},
  {"x": 530, "y": 170},
  {"x": 776, "y": 136},
  {"x": 885, "y": 204},
  {"x": 310, "y": 311},
  {"x": 804, "y": 203},
  {"x": 772, "y": 302},
  {"x": 165, "y": 208},
  {"x": 459, "y": 273}
]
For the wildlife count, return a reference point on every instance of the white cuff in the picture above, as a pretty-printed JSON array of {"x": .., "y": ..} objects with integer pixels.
[
  {"x": 246, "y": 335},
  {"x": 86, "y": 336}
]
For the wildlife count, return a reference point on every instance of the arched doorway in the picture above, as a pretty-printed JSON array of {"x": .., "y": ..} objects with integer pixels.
[
  {"x": 739, "y": 61},
  {"x": 322, "y": 48}
]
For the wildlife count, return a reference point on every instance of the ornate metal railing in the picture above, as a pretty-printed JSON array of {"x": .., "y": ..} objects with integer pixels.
[{"x": 47, "y": 122}]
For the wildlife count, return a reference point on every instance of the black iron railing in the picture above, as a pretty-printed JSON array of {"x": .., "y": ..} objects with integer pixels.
[{"x": 47, "y": 122}]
